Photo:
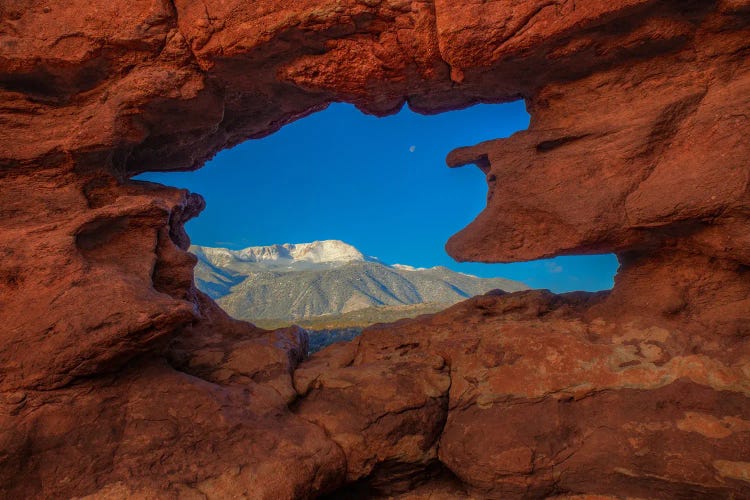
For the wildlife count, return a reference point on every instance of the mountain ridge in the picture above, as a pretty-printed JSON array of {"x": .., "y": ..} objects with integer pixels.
[
  {"x": 302, "y": 281},
  {"x": 314, "y": 252}
]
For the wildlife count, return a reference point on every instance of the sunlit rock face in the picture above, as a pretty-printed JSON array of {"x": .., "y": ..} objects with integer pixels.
[{"x": 119, "y": 379}]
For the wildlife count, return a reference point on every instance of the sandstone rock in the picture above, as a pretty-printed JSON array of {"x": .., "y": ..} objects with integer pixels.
[
  {"x": 550, "y": 395},
  {"x": 91, "y": 275},
  {"x": 386, "y": 416},
  {"x": 118, "y": 378},
  {"x": 153, "y": 432}
]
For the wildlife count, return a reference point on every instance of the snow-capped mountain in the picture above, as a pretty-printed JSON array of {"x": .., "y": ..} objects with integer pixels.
[
  {"x": 317, "y": 252},
  {"x": 300, "y": 281}
]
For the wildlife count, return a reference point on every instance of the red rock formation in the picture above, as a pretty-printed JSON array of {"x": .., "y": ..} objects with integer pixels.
[
  {"x": 119, "y": 379},
  {"x": 549, "y": 396}
]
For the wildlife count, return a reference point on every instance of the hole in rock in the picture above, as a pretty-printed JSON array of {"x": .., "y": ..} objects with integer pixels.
[{"x": 375, "y": 203}]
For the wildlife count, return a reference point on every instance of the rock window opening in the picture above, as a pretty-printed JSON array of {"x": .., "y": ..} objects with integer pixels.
[{"x": 339, "y": 221}]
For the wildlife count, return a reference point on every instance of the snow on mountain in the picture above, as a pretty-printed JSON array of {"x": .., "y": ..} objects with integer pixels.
[
  {"x": 295, "y": 281},
  {"x": 325, "y": 251},
  {"x": 404, "y": 267},
  {"x": 317, "y": 252}
]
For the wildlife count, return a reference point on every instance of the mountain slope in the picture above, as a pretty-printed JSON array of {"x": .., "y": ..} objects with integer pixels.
[{"x": 296, "y": 282}]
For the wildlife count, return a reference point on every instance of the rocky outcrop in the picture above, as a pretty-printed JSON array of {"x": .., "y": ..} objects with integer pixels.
[
  {"x": 119, "y": 379},
  {"x": 551, "y": 395}
]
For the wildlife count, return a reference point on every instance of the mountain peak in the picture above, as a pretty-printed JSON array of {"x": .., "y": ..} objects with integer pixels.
[
  {"x": 325, "y": 251},
  {"x": 316, "y": 252},
  {"x": 304, "y": 280}
]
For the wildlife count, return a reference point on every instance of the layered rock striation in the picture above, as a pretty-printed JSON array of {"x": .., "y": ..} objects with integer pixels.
[{"x": 119, "y": 379}]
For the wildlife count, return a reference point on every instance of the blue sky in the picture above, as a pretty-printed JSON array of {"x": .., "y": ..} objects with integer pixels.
[{"x": 380, "y": 184}]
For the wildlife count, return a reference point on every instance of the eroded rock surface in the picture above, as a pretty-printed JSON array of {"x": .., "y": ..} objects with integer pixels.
[
  {"x": 553, "y": 395},
  {"x": 119, "y": 379}
]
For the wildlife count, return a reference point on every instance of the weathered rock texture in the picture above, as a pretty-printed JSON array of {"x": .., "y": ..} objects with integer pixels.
[{"x": 119, "y": 379}]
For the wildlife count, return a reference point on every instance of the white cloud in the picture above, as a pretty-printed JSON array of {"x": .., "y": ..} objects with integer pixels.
[{"x": 554, "y": 268}]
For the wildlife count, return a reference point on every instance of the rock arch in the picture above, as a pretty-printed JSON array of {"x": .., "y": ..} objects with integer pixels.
[{"x": 119, "y": 378}]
